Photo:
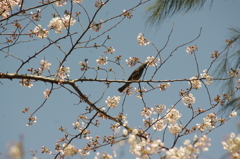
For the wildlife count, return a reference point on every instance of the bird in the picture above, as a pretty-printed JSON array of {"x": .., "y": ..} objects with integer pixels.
[{"x": 136, "y": 74}]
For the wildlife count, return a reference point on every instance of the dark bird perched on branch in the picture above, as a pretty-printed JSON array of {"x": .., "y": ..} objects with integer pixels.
[{"x": 134, "y": 76}]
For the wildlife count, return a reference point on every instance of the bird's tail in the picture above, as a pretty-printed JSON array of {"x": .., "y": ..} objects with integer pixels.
[{"x": 123, "y": 87}]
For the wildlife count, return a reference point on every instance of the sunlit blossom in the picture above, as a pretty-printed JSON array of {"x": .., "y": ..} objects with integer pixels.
[
  {"x": 188, "y": 99},
  {"x": 46, "y": 151},
  {"x": 209, "y": 79},
  {"x": 99, "y": 3},
  {"x": 145, "y": 147},
  {"x": 202, "y": 143},
  {"x": 159, "y": 109},
  {"x": 56, "y": 24},
  {"x": 190, "y": 151},
  {"x": 104, "y": 155},
  {"x": 109, "y": 50},
  {"x": 60, "y": 3},
  {"x": 146, "y": 111},
  {"x": 233, "y": 114},
  {"x": 40, "y": 33},
  {"x": 31, "y": 121},
  {"x": 36, "y": 16},
  {"x": 195, "y": 84},
  {"x": 141, "y": 40},
  {"x": 232, "y": 145},
  {"x": 45, "y": 65},
  {"x": 102, "y": 60},
  {"x": 96, "y": 26},
  {"x": 192, "y": 49},
  {"x": 132, "y": 61},
  {"x": 208, "y": 123},
  {"x": 127, "y": 14},
  {"x": 158, "y": 124},
  {"x": 135, "y": 131},
  {"x": 77, "y": 1},
  {"x": 68, "y": 21},
  {"x": 164, "y": 86},
  {"x": 124, "y": 132},
  {"x": 63, "y": 72},
  {"x": 68, "y": 150},
  {"x": 215, "y": 54},
  {"x": 131, "y": 138},
  {"x": 152, "y": 61},
  {"x": 7, "y": 6},
  {"x": 174, "y": 129},
  {"x": 113, "y": 102},
  {"x": 172, "y": 115},
  {"x": 234, "y": 73},
  {"x": 140, "y": 92},
  {"x": 26, "y": 83},
  {"x": 46, "y": 93},
  {"x": 84, "y": 65},
  {"x": 59, "y": 23}
]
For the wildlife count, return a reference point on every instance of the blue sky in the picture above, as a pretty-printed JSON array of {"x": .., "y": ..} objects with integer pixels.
[{"x": 62, "y": 110}]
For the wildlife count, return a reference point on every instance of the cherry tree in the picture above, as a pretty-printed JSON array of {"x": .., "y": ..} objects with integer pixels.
[{"x": 45, "y": 47}]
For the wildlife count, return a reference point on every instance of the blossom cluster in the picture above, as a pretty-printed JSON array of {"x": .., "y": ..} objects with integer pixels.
[
  {"x": 191, "y": 150},
  {"x": 127, "y": 14},
  {"x": 6, "y": 6},
  {"x": 46, "y": 151},
  {"x": 233, "y": 114},
  {"x": 109, "y": 50},
  {"x": 144, "y": 147},
  {"x": 40, "y": 33},
  {"x": 164, "y": 86},
  {"x": 46, "y": 93},
  {"x": 102, "y": 60},
  {"x": 58, "y": 23},
  {"x": 195, "y": 83},
  {"x": 141, "y": 40},
  {"x": 207, "y": 77},
  {"x": 152, "y": 61},
  {"x": 45, "y": 65},
  {"x": 159, "y": 109},
  {"x": 147, "y": 111},
  {"x": 68, "y": 150},
  {"x": 208, "y": 123},
  {"x": 84, "y": 65},
  {"x": 105, "y": 155},
  {"x": 61, "y": 3},
  {"x": 32, "y": 120},
  {"x": 188, "y": 99},
  {"x": 230, "y": 42},
  {"x": 216, "y": 54},
  {"x": 171, "y": 116},
  {"x": 132, "y": 61},
  {"x": 139, "y": 92},
  {"x": 192, "y": 49},
  {"x": 232, "y": 145},
  {"x": 113, "y": 102},
  {"x": 99, "y": 4},
  {"x": 234, "y": 73},
  {"x": 26, "y": 83},
  {"x": 158, "y": 124},
  {"x": 63, "y": 72},
  {"x": 96, "y": 26},
  {"x": 16, "y": 150}
]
